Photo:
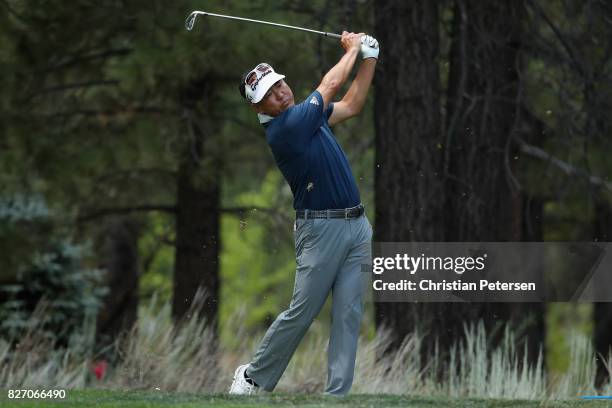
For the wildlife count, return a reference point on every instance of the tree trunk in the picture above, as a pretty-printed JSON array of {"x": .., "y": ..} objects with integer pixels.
[
  {"x": 483, "y": 202},
  {"x": 483, "y": 93},
  {"x": 118, "y": 248},
  {"x": 197, "y": 217},
  {"x": 408, "y": 182},
  {"x": 532, "y": 314}
]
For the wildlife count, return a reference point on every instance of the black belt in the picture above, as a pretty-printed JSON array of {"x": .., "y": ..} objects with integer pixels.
[{"x": 346, "y": 213}]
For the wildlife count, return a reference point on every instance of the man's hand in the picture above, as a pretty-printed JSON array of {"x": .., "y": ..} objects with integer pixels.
[
  {"x": 350, "y": 40},
  {"x": 369, "y": 47}
]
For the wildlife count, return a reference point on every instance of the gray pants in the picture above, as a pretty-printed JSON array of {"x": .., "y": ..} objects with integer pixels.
[{"x": 329, "y": 255}]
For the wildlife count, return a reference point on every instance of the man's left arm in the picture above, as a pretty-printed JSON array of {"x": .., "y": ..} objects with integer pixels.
[{"x": 354, "y": 99}]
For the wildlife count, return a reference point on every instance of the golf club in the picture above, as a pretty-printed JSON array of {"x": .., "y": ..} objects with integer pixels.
[{"x": 192, "y": 17}]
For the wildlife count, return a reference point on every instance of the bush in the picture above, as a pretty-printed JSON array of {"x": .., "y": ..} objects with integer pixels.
[
  {"x": 42, "y": 268},
  {"x": 70, "y": 293}
]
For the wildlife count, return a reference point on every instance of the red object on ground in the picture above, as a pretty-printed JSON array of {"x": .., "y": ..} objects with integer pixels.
[{"x": 99, "y": 369}]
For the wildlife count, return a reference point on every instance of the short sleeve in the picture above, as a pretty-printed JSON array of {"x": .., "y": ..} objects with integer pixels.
[{"x": 301, "y": 122}]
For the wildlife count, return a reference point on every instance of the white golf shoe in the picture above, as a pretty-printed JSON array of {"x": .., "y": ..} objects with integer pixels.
[{"x": 240, "y": 386}]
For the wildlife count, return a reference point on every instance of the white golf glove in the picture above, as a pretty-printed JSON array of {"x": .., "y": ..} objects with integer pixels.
[{"x": 369, "y": 47}]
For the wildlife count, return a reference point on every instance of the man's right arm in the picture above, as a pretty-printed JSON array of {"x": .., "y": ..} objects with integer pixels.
[{"x": 337, "y": 76}]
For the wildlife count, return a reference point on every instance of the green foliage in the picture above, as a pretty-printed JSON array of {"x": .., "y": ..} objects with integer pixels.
[
  {"x": 43, "y": 270},
  {"x": 157, "y": 256},
  {"x": 57, "y": 282},
  {"x": 22, "y": 208},
  {"x": 23, "y": 227},
  {"x": 257, "y": 263}
]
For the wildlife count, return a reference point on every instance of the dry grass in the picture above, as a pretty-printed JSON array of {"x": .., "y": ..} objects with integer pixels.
[{"x": 157, "y": 354}]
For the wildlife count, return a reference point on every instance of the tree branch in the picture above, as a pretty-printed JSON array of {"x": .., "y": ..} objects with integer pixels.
[
  {"x": 121, "y": 111},
  {"x": 559, "y": 36},
  {"x": 239, "y": 211},
  {"x": 242, "y": 211},
  {"x": 134, "y": 172},
  {"x": 65, "y": 87},
  {"x": 103, "y": 212},
  {"x": 87, "y": 57},
  {"x": 275, "y": 214},
  {"x": 564, "y": 166}
]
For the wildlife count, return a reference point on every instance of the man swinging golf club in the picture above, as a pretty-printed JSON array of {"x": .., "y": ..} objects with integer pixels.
[{"x": 332, "y": 233}]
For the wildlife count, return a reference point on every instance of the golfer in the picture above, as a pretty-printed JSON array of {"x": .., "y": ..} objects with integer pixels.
[{"x": 332, "y": 234}]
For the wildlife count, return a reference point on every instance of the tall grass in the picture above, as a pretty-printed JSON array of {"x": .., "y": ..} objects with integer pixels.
[
  {"x": 156, "y": 354},
  {"x": 580, "y": 377},
  {"x": 500, "y": 372},
  {"x": 33, "y": 360}
]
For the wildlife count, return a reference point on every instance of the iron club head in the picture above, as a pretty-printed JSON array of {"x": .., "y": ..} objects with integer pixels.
[{"x": 189, "y": 23}]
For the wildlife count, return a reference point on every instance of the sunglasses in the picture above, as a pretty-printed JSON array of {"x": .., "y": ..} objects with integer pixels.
[{"x": 252, "y": 76}]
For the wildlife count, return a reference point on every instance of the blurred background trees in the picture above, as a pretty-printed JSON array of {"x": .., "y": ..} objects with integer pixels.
[{"x": 125, "y": 134}]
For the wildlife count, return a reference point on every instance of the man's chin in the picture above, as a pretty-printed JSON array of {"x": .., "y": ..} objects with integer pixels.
[{"x": 284, "y": 107}]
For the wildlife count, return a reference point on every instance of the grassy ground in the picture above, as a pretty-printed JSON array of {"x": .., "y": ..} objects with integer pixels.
[{"x": 142, "y": 399}]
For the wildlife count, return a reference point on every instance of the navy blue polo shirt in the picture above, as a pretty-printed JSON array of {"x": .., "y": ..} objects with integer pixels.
[{"x": 310, "y": 158}]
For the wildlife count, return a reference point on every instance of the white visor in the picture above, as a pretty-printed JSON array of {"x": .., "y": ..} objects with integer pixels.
[{"x": 259, "y": 80}]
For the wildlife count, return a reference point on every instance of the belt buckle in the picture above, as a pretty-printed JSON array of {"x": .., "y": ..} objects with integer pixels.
[{"x": 346, "y": 213}]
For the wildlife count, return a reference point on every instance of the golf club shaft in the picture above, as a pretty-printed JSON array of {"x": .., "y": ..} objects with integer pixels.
[{"x": 192, "y": 17}]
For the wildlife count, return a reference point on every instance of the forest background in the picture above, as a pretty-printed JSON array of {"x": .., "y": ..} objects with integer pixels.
[{"x": 131, "y": 168}]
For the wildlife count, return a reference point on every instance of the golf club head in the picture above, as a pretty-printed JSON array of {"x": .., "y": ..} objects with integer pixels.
[{"x": 189, "y": 23}]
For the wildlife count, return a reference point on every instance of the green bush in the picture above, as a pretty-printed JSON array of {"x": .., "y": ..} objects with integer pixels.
[
  {"x": 42, "y": 269},
  {"x": 56, "y": 281}
]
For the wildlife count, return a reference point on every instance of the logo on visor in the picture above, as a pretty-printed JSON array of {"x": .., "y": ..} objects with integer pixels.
[{"x": 254, "y": 83}]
